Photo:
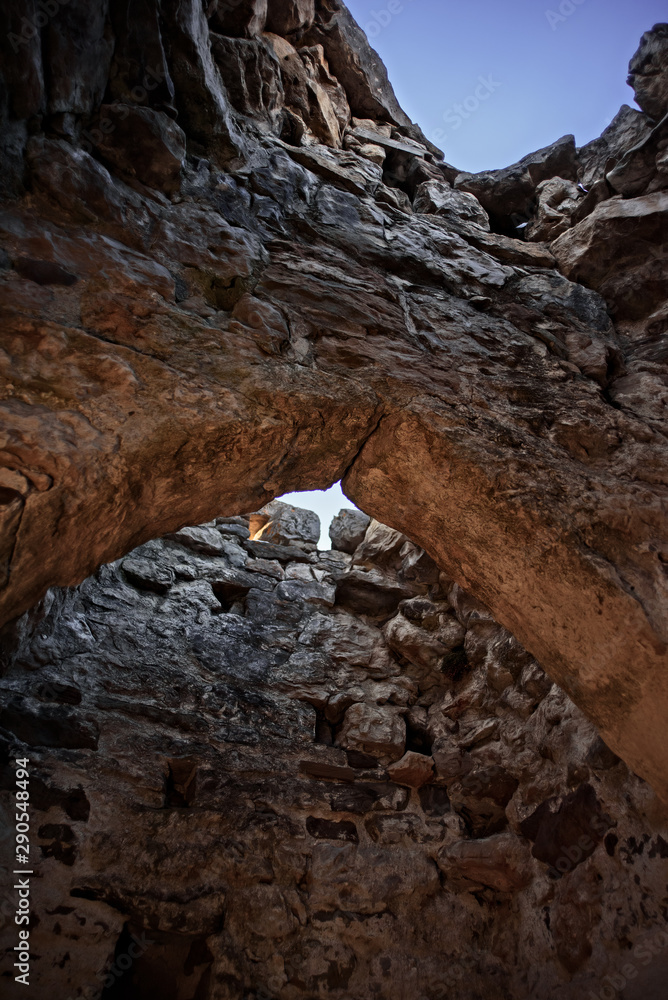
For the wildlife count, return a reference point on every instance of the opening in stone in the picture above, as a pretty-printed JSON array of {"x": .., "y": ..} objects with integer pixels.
[
  {"x": 327, "y": 504},
  {"x": 259, "y": 769}
]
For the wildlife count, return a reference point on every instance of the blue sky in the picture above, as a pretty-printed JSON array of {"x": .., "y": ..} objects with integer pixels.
[
  {"x": 523, "y": 72},
  {"x": 553, "y": 66},
  {"x": 326, "y": 504}
]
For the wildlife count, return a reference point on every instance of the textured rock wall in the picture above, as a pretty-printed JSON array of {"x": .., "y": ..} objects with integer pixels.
[
  {"x": 294, "y": 774},
  {"x": 232, "y": 267}
]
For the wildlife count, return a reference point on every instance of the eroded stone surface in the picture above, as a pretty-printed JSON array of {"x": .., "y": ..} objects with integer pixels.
[
  {"x": 508, "y": 194},
  {"x": 285, "y": 318},
  {"x": 627, "y": 129},
  {"x": 347, "y": 530},
  {"x": 609, "y": 241},
  {"x": 648, "y": 72},
  {"x": 280, "y": 804}
]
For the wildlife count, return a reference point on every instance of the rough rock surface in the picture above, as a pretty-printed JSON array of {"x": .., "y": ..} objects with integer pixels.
[
  {"x": 347, "y": 530},
  {"x": 285, "y": 318},
  {"x": 558, "y": 201},
  {"x": 627, "y": 129},
  {"x": 508, "y": 195},
  {"x": 648, "y": 72},
  {"x": 235, "y": 765}
]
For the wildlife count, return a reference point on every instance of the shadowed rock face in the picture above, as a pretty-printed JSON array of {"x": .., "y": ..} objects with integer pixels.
[
  {"x": 250, "y": 778},
  {"x": 648, "y": 72},
  {"x": 259, "y": 307}
]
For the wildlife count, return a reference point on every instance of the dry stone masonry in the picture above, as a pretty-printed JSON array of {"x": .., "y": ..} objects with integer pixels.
[
  {"x": 231, "y": 267},
  {"x": 303, "y": 773}
]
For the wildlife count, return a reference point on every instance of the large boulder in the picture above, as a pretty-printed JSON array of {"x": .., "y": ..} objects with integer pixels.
[
  {"x": 641, "y": 169},
  {"x": 240, "y": 19},
  {"x": 437, "y": 197},
  {"x": 144, "y": 144},
  {"x": 628, "y": 128},
  {"x": 347, "y": 530},
  {"x": 199, "y": 93},
  {"x": 377, "y": 730},
  {"x": 501, "y": 863},
  {"x": 251, "y": 74},
  {"x": 311, "y": 92},
  {"x": 430, "y": 650},
  {"x": 558, "y": 199},
  {"x": 282, "y": 524},
  {"x": 648, "y": 72},
  {"x": 288, "y": 16},
  {"x": 414, "y": 769},
  {"x": 509, "y": 195},
  {"x": 620, "y": 250}
]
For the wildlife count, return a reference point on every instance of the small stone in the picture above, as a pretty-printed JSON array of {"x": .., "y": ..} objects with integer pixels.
[
  {"x": 501, "y": 862},
  {"x": 268, "y": 567},
  {"x": 145, "y": 574},
  {"x": 370, "y": 151},
  {"x": 414, "y": 770},
  {"x": 202, "y": 539},
  {"x": 372, "y": 126},
  {"x": 282, "y": 524},
  {"x": 380, "y": 731},
  {"x": 449, "y": 760}
]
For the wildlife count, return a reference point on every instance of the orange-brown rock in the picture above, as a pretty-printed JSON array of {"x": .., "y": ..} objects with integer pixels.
[
  {"x": 282, "y": 322},
  {"x": 183, "y": 712},
  {"x": 648, "y": 74},
  {"x": 414, "y": 770}
]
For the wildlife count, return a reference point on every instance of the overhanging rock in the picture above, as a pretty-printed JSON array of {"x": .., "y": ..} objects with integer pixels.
[{"x": 174, "y": 354}]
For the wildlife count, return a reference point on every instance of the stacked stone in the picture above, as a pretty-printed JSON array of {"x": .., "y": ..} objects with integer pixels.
[{"x": 272, "y": 761}]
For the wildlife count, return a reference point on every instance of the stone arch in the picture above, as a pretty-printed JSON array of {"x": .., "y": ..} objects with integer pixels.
[
  {"x": 490, "y": 519},
  {"x": 172, "y": 354}
]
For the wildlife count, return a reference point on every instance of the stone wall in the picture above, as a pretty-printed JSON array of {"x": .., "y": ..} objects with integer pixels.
[
  {"x": 231, "y": 267},
  {"x": 293, "y": 773}
]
